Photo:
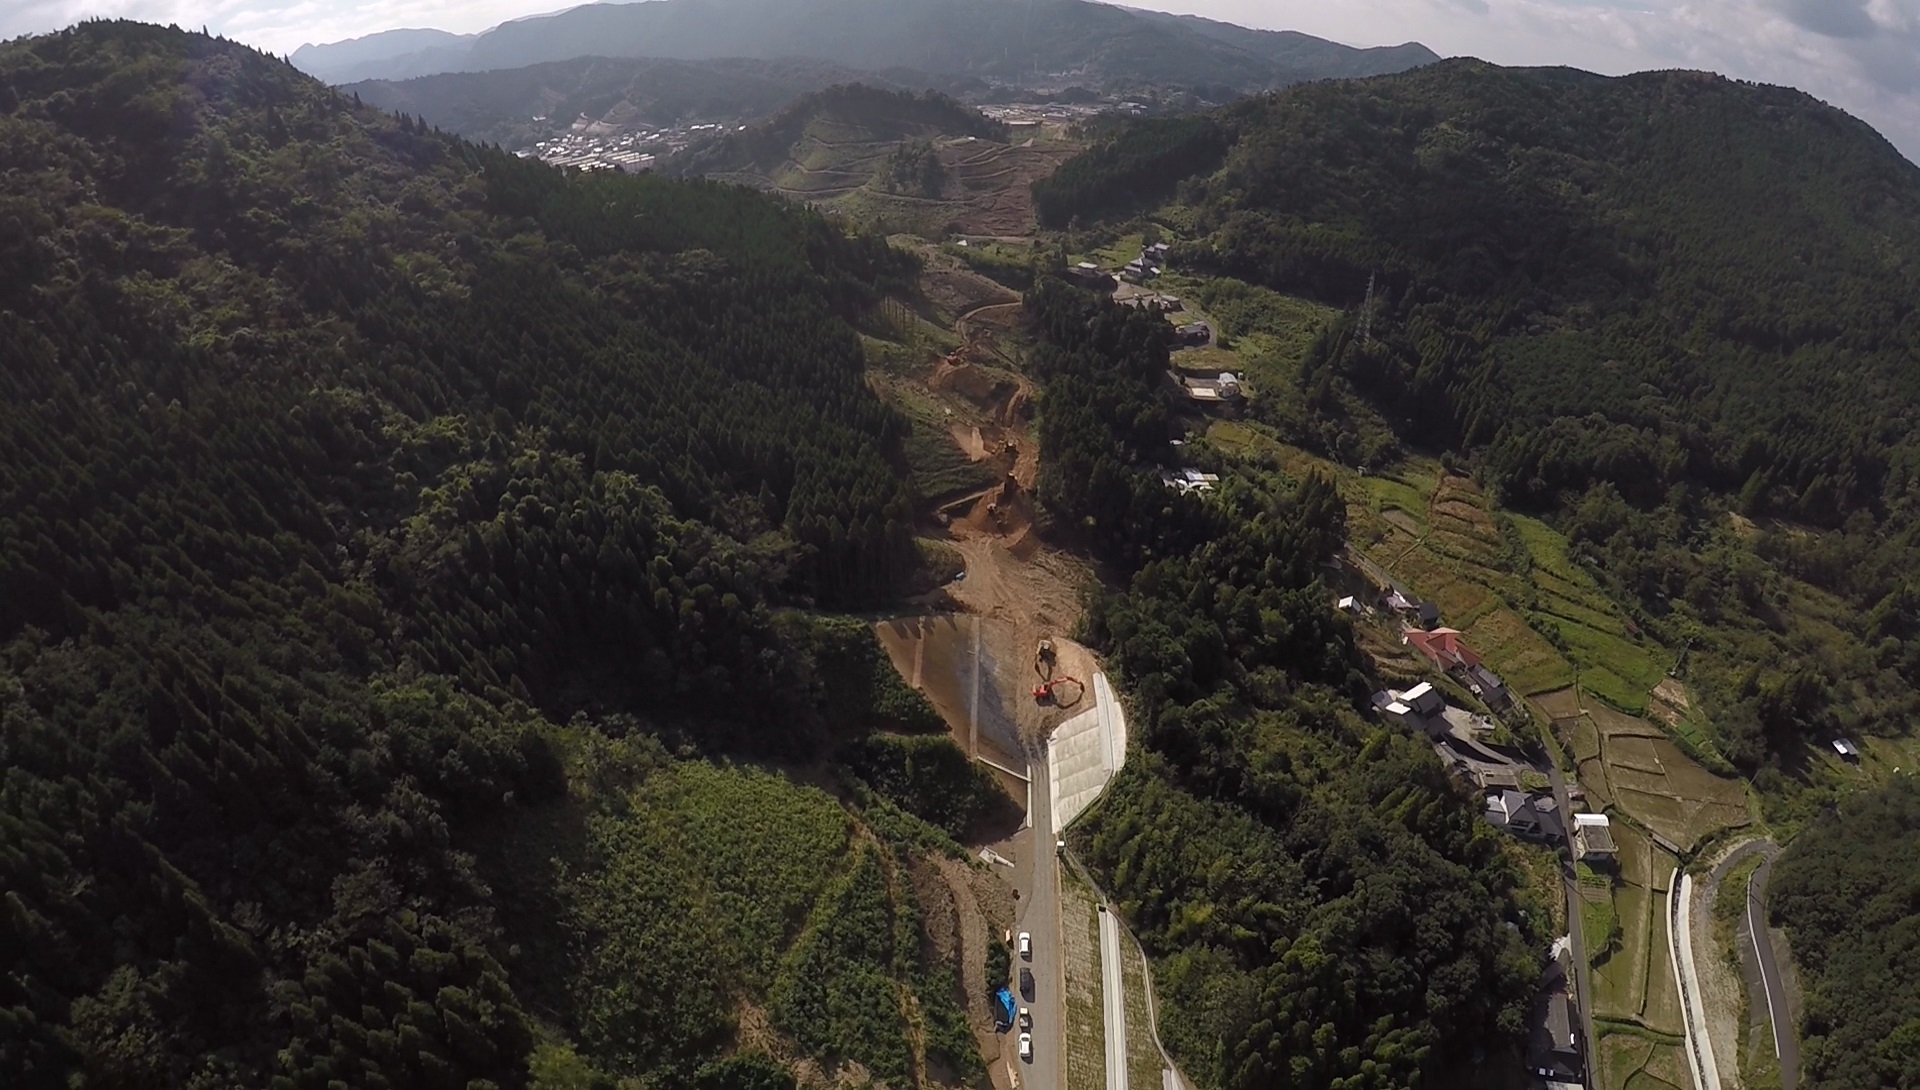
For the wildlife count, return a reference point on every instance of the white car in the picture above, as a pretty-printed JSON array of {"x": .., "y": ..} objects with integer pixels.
[
  {"x": 1026, "y": 946},
  {"x": 1026, "y": 1047}
]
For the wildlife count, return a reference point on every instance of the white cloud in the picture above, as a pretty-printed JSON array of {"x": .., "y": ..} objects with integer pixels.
[{"x": 1861, "y": 55}]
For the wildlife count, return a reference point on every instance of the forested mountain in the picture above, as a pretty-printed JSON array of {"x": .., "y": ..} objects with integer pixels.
[
  {"x": 1674, "y": 309},
  {"x": 1718, "y": 268},
  {"x": 340, "y": 461},
  {"x": 1325, "y": 906},
  {"x": 811, "y": 128},
  {"x": 500, "y": 106},
  {"x": 1846, "y": 891},
  {"x": 1021, "y": 41}
]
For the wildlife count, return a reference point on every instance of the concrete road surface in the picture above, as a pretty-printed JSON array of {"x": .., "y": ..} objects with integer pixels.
[
  {"x": 1039, "y": 916},
  {"x": 1581, "y": 969},
  {"x": 1786, "y": 1044},
  {"x": 1116, "y": 1002}
]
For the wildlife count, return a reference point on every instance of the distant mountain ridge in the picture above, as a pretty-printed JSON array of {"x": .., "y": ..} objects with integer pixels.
[
  {"x": 1005, "y": 40},
  {"x": 337, "y": 61}
]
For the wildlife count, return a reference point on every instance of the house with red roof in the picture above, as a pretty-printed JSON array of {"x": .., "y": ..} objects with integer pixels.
[{"x": 1444, "y": 647}]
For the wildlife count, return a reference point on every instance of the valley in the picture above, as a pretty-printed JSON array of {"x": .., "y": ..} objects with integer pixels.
[{"x": 1026, "y": 546}]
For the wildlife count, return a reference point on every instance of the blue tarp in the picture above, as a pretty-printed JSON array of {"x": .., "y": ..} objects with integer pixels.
[{"x": 1004, "y": 1002}]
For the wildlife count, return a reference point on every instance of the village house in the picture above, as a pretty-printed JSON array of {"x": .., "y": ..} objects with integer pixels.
[
  {"x": 1152, "y": 302},
  {"x": 1445, "y": 648},
  {"x": 1442, "y": 647},
  {"x": 1529, "y": 814}
]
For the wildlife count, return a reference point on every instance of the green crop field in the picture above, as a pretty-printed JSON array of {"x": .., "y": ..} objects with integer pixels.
[{"x": 1395, "y": 494}]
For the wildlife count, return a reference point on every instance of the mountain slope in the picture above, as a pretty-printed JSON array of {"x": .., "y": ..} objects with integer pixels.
[
  {"x": 833, "y": 139},
  {"x": 1302, "y": 52},
  {"x": 1688, "y": 257},
  {"x": 341, "y": 463},
  {"x": 1670, "y": 311},
  {"x": 1008, "y": 40},
  {"x": 499, "y": 107}
]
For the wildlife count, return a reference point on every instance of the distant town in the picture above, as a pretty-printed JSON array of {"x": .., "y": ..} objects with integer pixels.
[
  {"x": 600, "y": 145},
  {"x": 597, "y": 145}
]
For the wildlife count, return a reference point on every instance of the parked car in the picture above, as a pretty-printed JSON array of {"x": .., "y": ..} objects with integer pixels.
[
  {"x": 1026, "y": 1047},
  {"x": 1026, "y": 946},
  {"x": 1026, "y": 1018},
  {"x": 1026, "y": 982}
]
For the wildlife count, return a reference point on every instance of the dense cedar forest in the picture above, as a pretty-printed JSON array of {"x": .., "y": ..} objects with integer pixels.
[
  {"x": 1846, "y": 890},
  {"x": 1324, "y": 906},
  {"x": 1670, "y": 311},
  {"x": 341, "y": 462}
]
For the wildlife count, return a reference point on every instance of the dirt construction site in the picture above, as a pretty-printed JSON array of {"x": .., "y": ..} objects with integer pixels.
[
  {"x": 988, "y": 655},
  {"x": 992, "y": 648}
]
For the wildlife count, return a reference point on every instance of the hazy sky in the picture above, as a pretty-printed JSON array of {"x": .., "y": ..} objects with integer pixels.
[{"x": 1860, "y": 55}]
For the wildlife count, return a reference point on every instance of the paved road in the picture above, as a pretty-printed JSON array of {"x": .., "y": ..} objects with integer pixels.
[
  {"x": 1759, "y": 963},
  {"x": 1039, "y": 914},
  {"x": 1116, "y": 1002},
  {"x": 1581, "y": 970},
  {"x": 1786, "y": 1044}
]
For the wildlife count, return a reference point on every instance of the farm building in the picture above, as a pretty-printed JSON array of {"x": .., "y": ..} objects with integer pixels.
[
  {"x": 1397, "y": 711},
  {"x": 1493, "y": 778},
  {"x": 1560, "y": 1025},
  {"x": 1212, "y": 391},
  {"x": 1193, "y": 334},
  {"x": 1420, "y": 708},
  {"x": 1189, "y": 480},
  {"x": 1156, "y": 253},
  {"x": 1425, "y": 699},
  {"x": 1087, "y": 274},
  {"x": 1846, "y": 749},
  {"x": 1593, "y": 837}
]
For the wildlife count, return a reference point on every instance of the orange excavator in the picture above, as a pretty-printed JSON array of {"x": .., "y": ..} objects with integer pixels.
[{"x": 1043, "y": 664}]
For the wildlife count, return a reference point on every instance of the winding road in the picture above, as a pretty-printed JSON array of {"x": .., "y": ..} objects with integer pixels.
[{"x": 1759, "y": 961}]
